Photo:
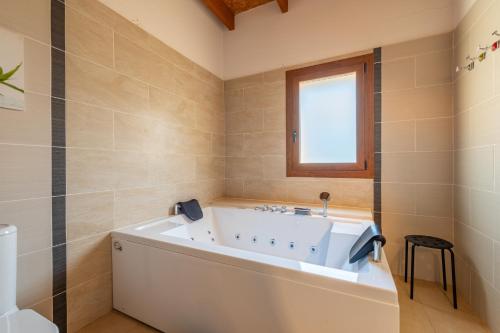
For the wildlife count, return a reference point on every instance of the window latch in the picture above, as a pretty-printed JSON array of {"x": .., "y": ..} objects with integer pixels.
[{"x": 294, "y": 136}]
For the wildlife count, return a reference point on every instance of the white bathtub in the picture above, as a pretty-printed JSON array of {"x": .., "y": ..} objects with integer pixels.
[{"x": 240, "y": 270}]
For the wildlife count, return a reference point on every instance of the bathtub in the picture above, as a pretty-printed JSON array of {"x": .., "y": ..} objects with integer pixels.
[{"x": 241, "y": 270}]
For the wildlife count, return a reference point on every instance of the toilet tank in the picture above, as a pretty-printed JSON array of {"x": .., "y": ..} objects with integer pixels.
[{"x": 8, "y": 258}]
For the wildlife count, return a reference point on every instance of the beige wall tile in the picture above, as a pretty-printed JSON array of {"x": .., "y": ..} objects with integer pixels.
[
  {"x": 416, "y": 47},
  {"x": 497, "y": 266},
  {"x": 398, "y": 74},
  {"x": 209, "y": 120},
  {"x": 266, "y": 143},
  {"x": 142, "y": 204},
  {"x": 484, "y": 299},
  {"x": 25, "y": 172},
  {"x": 472, "y": 17},
  {"x": 208, "y": 167},
  {"x": 398, "y": 198},
  {"x": 204, "y": 191},
  {"x": 44, "y": 308},
  {"x": 88, "y": 259},
  {"x": 170, "y": 54},
  {"x": 89, "y": 301},
  {"x": 461, "y": 206},
  {"x": 163, "y": 74},
  {"x": 434, "y": 167},
  {"x": 274, "y": 167},
  {"x": 476, "y": 249},
  {"x": 88, "y": 38},
  {"x": 266, "y": 189},
  {"x": 434, "y": 134},
  {"x": 398, "y": 136},
  {"x": 88, "y": 126},
  {"x": 93, "y": 84},
  {"x": 234, "y": 188},
  {"x": 193, "y": 141},
  {"x": 485, "y": 210},
  {"x": 484, "y": 124},
  {"x": 94, "y": 9},
  {"x": 130, "y": 30},
  {"x": 275, "y": 119},
  {"x": 132, "y": 132},
  {"x": 169, "y": 168},
  {"x": 89, "y": 214},
  {"x": 241, "y": 122},
  {"x": 264, "y": 96},
  {"x": 398, "y": 167},
  {"x": 131, "y": 169},
  {"x": 353, "y": 193},
  {"x": 461, "y": 130},
  {"x": 89, "y": 170},
  {"x": 218, "y": 144},
  {"x": 425, "y": 102},
  {"x": 131, "y": 59},
  {"x": 33, "y": 220},
  {"x": 30, "y": 126},
  {"x": 233, "y": 100},
  {"x": 396, "y": 226},
  {"x": 34, "y": 277},
  {"x": 479, "y": 168},
  {"x": 37, "y": 67},
  {"x": 234, "y": 145},
  {"x": 497, "y": 168},
  {"x": 171, "y": 108},
  {"x": 30, "y": 17},
  {"x": 244, "y": 167},
  {"x": 497, "y": 75},
  {"x": 244, "y": 82},
  {"x": 346, "y": 193},
  {"x": 306, "y": 191},
  {"x": 187, "y": 86},
  {"x": 434, "y": 68},
  {"x": 473, "y": 87},
  {"x": 434, "y": 200}
]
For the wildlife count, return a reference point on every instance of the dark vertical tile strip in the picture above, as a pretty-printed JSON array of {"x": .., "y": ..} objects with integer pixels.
[
  {"x": 59, "y": 310},
  {"x": 58, "y": 120},
  {"x": 377, "y": 186},
  {"x": 59, "y": 270}
]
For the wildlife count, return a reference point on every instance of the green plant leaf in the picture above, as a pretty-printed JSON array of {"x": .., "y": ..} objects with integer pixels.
[
  {"x": 8, "y": 75},
  {"x": 12, "y": 86},
  {"x": 1, "y": 70}
]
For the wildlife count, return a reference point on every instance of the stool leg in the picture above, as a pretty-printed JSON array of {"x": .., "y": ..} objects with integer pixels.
[
  {"x": 412, "y": 270},
  {"x": 455, "y": 305},
  {"x": 443, "y": 263},
  {"x": 406, "y": 261}
]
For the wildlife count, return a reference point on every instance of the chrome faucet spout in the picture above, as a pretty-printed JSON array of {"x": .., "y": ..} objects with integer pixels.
[{"x": 325, "y": 197}]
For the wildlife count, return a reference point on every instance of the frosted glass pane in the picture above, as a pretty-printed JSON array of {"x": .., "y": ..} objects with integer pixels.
[{"x": 327, "y": 115}]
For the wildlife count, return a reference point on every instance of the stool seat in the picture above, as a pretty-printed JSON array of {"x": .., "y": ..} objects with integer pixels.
[
  {"x": 433, "y": 243},
  {"x": 429, "y": 241}
]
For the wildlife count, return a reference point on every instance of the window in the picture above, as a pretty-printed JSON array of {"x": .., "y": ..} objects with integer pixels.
[{"x": 330, "y": 119}]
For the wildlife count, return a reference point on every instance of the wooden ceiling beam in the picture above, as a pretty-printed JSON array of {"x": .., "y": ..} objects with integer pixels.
[
  {"x": 219, "y": 8},
  {"x": 283, "y": 5}
]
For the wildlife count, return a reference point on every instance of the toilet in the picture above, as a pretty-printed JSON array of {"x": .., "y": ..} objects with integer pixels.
[{"x": 13, "y": 320}]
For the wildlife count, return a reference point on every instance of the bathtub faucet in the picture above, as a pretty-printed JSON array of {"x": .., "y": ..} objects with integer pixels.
[{"x": 325, "y": 197}]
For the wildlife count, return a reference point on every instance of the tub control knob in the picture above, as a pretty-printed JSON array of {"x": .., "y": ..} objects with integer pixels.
[
  {"x": 283, "y": 209},
  {"x": 117, "y": 246},
  {"x": 266, "y": 208}
]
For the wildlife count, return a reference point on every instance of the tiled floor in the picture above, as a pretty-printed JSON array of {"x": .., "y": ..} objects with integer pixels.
[{"x": 430, "y": 312}]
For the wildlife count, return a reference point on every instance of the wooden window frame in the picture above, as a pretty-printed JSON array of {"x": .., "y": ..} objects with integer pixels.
[{"x": 363, "y": 168}]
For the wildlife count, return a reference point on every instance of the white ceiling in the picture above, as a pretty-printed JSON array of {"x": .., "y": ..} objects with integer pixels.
[{"x": 265, "y": 39}]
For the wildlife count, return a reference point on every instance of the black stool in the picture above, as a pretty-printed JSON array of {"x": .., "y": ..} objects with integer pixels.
[{"x": 434, "y": 243}]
